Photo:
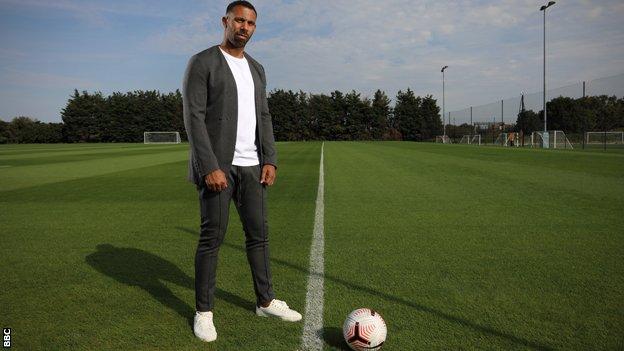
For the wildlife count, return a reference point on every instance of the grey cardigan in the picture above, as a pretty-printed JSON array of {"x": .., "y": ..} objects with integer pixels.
[{"x": 211, "y": 114}]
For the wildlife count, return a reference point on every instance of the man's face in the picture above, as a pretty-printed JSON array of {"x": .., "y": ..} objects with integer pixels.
[{"x": 239, "y": 25}]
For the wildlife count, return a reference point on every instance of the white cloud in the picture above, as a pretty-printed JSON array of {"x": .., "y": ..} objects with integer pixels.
[
  {"x": 11, "y": 54},
  {"x": 595, "y": 12},
  {"x": 44, "y": 80},
  {"x": 189, "y": 37},
  {"x": 618, "y": 7},
  {"x": 493, "y": 15},
  {"x": 447, "y": 29},
  {"x": 92, "y": 11},
  {"x": 493, "y": 48}
]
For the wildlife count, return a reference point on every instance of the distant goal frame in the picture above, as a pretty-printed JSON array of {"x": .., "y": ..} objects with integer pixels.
[
  {"x": 444, "y": 139},
  {"x": 471, "y": 139},
  {"x": 148, "y": 140},
  {"x": 557, "y": 139},
  {"x": 603, "y": 136}
]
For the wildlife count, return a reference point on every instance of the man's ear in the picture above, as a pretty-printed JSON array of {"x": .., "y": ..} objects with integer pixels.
[{"x": 224, "y": 20}]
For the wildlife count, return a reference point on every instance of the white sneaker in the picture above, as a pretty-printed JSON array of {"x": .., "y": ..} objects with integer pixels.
[
  {"x": 203, "y": 326},
  {"x": 280, "y": 309}
]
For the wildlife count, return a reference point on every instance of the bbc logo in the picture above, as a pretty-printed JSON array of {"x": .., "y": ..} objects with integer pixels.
[{"x": 6, "y": 342}]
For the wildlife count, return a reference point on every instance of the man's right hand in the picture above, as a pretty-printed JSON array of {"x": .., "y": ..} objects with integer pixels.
[{"x": 216, "y": 180}]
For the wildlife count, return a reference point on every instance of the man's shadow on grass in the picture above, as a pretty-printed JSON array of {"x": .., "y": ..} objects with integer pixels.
[
  {"x": 147, "y": 271},
  {"x": 333, "y": 336}
]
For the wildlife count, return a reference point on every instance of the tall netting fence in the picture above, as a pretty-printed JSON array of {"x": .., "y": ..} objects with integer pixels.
[{"x": 492, "y": 119}]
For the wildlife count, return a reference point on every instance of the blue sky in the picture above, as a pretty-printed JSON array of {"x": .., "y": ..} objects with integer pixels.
[{"x": 493, "y": 48}]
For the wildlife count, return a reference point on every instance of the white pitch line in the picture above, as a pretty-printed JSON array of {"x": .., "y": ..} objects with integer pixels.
[{"x": 312, "y": 338}]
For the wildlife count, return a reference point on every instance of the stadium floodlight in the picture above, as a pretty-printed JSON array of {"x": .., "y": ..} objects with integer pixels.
[
  {"x": 550, "y": 3},
  {"x": 443, "y": 122},
  {"x": 161, "y": 138},
  {"x": 543, "y": 9}
]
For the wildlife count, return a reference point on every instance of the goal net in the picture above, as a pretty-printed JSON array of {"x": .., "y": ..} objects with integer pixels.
[
  {"x": 557, "y": 139},
  {"x": 476, "y": 139},
  {"x": 604, "y": 137},
  {"x": 471, "y": 139},
  {"x": 501, "y": 139},
  {"x": 444, "y": 139},
  {"x": 161, "y": 138},
  {"x": 508, "y": 139}
]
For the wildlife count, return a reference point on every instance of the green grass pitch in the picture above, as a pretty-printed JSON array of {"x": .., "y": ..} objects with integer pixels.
[{"x": 458, "y": 247}]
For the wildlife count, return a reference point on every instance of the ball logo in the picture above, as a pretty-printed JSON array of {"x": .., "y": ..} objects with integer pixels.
[{"x": 6, "y": 342}]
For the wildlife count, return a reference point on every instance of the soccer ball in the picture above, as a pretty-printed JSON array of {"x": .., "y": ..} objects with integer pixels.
[{"x": 364, "y": 329}]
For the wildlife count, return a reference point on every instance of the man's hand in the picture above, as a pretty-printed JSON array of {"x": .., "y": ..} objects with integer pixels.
[
  {"x": 216, "y": 180},
  {"x": 268, "y": 175}
]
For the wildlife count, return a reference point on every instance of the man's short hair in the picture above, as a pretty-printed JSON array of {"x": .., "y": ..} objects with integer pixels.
[{"x": 243, "y": 3}]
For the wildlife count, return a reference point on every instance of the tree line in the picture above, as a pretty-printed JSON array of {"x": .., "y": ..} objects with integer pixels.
[
  {"x": 338, "y": 116},
  {"x": 590, "y": 113},
  {"x": 121, "y": 117},
  {"x": 93, "y": 117},
  {"x": 124, "y": 117},
  {"x": 25, "y": 130}
]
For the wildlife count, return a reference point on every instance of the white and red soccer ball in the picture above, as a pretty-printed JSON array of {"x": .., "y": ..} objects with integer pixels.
[{"x": 364, "y": 329}]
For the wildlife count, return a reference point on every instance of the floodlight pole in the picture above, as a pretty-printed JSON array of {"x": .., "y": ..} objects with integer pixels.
[
  {"x": 443, "y": 102},
  {"x": 543, "y": 9}
]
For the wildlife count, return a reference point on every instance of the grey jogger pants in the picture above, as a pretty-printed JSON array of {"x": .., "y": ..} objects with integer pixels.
[{"x": 250, "y": 200}]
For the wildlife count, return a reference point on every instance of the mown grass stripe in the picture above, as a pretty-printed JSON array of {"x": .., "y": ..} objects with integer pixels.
[
  {"x": 40, "y": 174},
  {"x": 313, "y": 318}
]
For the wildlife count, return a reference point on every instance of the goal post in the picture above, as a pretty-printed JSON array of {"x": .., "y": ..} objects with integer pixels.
[
  {"x": 471, "y": 139},
  {"x": 444, "y": 139},
  {"x": 161, "y": 138},
  {"x": 537, "y": 139},
  {"x": 560, "y": 140},
  {"x": 502, "y": 139},
  {"x": 604, "y": 137},
  {"x": 476, "y": 139},
  {"x": 557, "y": 139}
]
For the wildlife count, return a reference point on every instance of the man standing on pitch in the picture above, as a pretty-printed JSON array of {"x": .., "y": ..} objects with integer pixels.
[{"x": 232, "y": 156}]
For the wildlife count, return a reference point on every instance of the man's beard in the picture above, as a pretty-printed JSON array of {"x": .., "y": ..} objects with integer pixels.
[{"x": 238, "y": 42}]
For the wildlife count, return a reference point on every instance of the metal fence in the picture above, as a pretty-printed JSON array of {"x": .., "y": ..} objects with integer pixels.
[{"x": 506, "y": 110}]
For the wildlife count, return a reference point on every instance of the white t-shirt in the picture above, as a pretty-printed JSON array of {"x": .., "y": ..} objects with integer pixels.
[{"x": 245, "y": 151}]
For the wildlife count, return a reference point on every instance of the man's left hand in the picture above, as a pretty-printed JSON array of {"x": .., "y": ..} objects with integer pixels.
[{"x": 268, "y": 175}]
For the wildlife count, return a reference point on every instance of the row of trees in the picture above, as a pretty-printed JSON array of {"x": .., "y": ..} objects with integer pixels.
[
  {"x": 25, "y": 130},
  {"x": 575, "y": 115},
  {"x": 123, "y": 117},
  {"x": 338, "y": 116},
  {"x": 93, "y": 117}
]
